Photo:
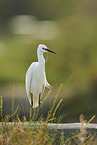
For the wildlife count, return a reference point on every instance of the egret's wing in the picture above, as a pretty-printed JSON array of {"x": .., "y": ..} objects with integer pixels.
[
  {"x": 28, "y": 83},
  {"x": 33, "y": 99}
]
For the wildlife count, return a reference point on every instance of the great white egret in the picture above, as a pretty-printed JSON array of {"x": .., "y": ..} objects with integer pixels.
[{"x": 36, "y": 78}]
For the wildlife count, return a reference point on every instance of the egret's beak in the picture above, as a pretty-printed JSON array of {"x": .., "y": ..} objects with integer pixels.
[{"x": 49, "y": 50}]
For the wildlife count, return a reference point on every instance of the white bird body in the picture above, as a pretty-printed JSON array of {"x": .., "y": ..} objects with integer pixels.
[{"x": 36, "y": 78}]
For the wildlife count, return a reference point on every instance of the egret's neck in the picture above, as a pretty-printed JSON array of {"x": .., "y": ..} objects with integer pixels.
[{"x": 41, "y": 59}]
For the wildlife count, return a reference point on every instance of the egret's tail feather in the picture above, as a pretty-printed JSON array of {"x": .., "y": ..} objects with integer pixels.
[{"x": 48, "y": 85}]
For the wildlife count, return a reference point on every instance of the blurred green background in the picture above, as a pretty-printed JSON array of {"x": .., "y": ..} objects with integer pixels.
[{"x": 67, "y": 27}]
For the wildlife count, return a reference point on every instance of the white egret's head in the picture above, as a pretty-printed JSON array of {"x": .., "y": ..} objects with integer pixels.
[{"x": 42, "y": 48}]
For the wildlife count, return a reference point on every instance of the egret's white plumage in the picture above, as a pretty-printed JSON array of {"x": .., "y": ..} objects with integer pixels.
[{"x": 36, "y": 78}]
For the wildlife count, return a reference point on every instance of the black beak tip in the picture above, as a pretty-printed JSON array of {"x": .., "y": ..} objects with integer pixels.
[
  {"x": 48, "y": 50},
  {"x": 51, "y": 51},
  {"x": 54, "y": 52}
]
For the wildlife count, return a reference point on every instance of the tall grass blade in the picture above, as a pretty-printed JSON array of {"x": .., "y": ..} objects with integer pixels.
[
  {"x": 44, "y": 101},
  {"x": 30, "y": 113},
  {"x": 56, "y": 98},
  {"x": 54, "y": 102},
  {"x": 62, "y": 139},
  {"x": 45, "y": 98},
  {"x": 57, "y": 107},
  {"x": 12, "y": 100},
  {"x": 15, "y": 111},
  {"x": 77, "y": 135},
  {"x": 90, "y": 120},
  {"x": 1, "y": 107}
]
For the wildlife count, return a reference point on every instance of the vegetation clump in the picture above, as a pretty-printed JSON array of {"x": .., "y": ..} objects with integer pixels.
[{"x": 39, "y": 132}]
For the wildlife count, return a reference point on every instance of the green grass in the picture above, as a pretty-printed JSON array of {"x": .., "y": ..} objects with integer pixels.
[
  {"x": 1, "y": 110},
  {"x": 37, "y": 132}
]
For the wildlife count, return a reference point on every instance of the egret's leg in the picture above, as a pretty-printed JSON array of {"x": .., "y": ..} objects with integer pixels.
[
  {"x": 42, "y": 92},
  {"x": 29, "y": 98},
  {"x": 39, "y": 109},
  {"x": 35, "y": 101},
  {"x": 39, "y": 99},
  {"x": 35, "y": 107},
  {"x": 40, "y": 95}
]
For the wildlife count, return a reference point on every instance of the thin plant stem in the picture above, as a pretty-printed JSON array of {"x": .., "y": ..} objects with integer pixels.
[
  {"x": 90, "y": 120},
  {"x": 56, "y": 98},
  {"x": 12, "y": 100},
  {"x": 1, "y": 107},
  {"x": 30, "y": 113},
  {"x": 57, "y": 107}
]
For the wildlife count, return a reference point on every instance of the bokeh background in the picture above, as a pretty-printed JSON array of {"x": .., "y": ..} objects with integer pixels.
[{"x": 67, "y": 27}]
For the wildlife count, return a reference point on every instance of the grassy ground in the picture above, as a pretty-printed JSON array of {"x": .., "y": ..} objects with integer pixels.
[{"x": 39, "y": 132}]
